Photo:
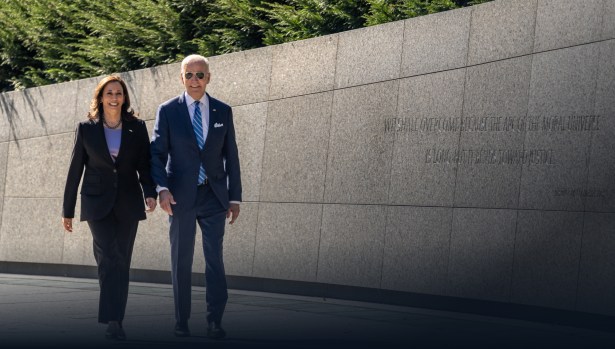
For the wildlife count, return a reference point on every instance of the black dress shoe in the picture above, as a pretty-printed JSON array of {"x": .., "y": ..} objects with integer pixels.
[
  {"x": 121, "y": 335},
  {"x": 113, "y": 329},
  {"x": 181, "y": 329},
  {"x": 214, "y": 331}
]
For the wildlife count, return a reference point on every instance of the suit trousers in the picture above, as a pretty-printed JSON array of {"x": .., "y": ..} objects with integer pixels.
[
  {"x": 113, "y": 242},
  {"x": 211, "y": 217}
]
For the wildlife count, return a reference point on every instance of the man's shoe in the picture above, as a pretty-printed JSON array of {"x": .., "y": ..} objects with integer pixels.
[
  {"x": 121, "y": 335},
  {"x": 181, "y": 329},
  {"x": 214, "y": 331}
]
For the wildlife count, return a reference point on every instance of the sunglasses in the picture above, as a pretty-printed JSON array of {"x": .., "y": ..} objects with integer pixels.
[{"x": 199, "y": 75}]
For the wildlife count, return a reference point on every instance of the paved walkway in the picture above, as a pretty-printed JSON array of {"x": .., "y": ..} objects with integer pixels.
[{"x": 43, "y": 312}]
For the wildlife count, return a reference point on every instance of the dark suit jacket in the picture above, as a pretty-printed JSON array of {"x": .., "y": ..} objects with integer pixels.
[
  {"x": 107, "y": 184},
  {"x": 176, "y": 156}
]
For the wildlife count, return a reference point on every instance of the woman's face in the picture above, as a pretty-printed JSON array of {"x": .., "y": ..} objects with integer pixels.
[{"x": 112, "y": 98}]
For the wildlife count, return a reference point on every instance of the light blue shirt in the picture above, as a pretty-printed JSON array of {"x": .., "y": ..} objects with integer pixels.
[
  {"x": 204, "y": 106},
  {"x": 114, "y": 139}
]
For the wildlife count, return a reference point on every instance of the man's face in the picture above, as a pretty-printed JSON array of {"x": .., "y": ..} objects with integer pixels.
[{"x": 194, "y": 85}]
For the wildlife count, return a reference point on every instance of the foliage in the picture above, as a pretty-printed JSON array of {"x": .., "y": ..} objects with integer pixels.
[
  {"x": 302, "y": 19},
  {"x": 50, "y": 41},
  {"x": 384, "y": 11}
]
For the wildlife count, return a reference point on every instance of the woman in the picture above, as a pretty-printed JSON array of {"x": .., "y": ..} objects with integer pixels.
[{"x": 113, "y": 147}]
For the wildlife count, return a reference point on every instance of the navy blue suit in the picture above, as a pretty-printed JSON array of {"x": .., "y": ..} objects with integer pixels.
[{"x": 176, "y": 159}]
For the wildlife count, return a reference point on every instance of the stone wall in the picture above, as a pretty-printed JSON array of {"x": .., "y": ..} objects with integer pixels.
[{"x": 467, "y": 154}]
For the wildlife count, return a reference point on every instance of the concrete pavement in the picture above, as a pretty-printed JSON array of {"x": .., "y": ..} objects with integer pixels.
[{"x": 43, "y": 312}]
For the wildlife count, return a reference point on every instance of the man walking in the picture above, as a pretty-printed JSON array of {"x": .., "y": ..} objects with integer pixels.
[{"x": 195, "y": 164}]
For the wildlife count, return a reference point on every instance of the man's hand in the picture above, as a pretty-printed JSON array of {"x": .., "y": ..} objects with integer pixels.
[
  {"x": 166, "y": 200},
  {"x": 151, "y": 204},
  {"x": 67, "y": 223},
  {"x": 233, "y": 212}
]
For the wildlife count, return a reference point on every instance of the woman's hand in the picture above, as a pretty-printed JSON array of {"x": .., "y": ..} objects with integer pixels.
[
  {"x": 151, "y": 204},
  {"x": 67, "y": 223}
]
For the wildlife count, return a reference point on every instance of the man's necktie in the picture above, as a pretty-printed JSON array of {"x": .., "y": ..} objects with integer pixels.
[{"x": 197, "y": 123}]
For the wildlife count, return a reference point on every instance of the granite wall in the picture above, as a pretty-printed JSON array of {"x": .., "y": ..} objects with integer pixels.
[{"x": 467, "y": 154}]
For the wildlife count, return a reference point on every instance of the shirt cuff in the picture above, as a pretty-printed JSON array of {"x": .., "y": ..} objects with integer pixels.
[{"x": 235, "y": 202}]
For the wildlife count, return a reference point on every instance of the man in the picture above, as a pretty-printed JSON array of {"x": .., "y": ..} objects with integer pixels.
[{"x": 195, "y": 164}]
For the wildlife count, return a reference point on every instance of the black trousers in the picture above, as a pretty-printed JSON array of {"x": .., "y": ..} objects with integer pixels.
[
  {"x": 114, "y": 239},
  {"x": 211, "y": 217}
]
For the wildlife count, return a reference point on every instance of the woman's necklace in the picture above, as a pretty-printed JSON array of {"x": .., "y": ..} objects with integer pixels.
[{"x": 113, "y": 127}]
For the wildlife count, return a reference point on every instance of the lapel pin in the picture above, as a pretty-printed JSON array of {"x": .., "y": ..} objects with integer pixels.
[
  {"x": 214, "y": 109},
  {"x": 129, "y": 130}
]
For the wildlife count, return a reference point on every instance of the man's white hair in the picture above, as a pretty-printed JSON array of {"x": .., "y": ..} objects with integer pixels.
[{"x": 192, "y": 59}]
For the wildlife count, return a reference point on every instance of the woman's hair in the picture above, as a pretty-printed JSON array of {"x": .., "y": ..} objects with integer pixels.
[{"x": 96, "y": 110}]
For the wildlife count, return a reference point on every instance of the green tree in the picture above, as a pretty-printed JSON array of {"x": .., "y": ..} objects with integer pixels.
[
  {"x": 16, "y": 51},
  {"x": 302, "y": 19},
  {"x": 49, "y": 41},
  {"x": 45, "y": 41},
  {"x": 230, "y": 25},
  {"x": 132, "y": 35},
  {"x": 384, "y": 11}
]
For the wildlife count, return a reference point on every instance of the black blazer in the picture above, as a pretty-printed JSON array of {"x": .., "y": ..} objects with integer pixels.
[{"x": 108, "y": 185}]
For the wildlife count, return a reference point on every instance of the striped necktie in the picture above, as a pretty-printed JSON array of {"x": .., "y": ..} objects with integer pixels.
[{"x": 197, "y": 123}]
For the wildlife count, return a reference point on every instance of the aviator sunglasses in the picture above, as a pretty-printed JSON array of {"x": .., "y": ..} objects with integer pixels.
[{"x": 199, "y": 75}]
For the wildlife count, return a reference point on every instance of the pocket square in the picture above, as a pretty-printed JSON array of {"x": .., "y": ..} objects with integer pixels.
[{"x": 216, "y": 125}]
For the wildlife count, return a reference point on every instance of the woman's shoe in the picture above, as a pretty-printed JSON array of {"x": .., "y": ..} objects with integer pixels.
[
  {"x": 121, "y": 335},
  {"x": 113, "y": 330}
]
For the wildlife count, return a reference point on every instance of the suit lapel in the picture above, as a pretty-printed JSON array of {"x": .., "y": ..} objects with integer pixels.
[
  {"x": 126, "y": 138},
  {"x": 213, "y": 117}
]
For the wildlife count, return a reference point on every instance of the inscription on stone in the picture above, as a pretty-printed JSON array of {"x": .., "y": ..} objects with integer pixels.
[
  {"x": 481, "y": 156},
  {"x": 489, "y": 156},
  {"x": 582, "y": 192},
  {"x": 557, "y": 123}
]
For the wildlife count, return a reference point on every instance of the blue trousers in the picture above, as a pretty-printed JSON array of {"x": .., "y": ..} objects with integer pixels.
[{"x": 209, "y": 213}]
